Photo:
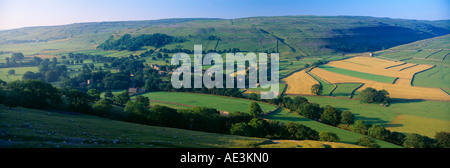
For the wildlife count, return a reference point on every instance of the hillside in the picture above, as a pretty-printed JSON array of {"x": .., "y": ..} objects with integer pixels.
[
  {"x": 22, "y": 127},
  {"x": 289, "y": 35}
]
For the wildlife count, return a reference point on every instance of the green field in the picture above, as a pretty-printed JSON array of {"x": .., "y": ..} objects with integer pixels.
[
  {"x": 220, "y": 103},
  {"x": 19, "y": 73},
  {"x": 373, "y": 113},
  {"x": 361, "y": 75},
  {"x": 345, "y": 89},
  {"x": 285, "y": 116},
  {"x": 435, "y": 77},
  {"x": 327, "y": 88}
]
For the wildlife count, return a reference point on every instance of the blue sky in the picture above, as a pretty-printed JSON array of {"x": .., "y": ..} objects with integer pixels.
[{"x": 25, "y": 13}]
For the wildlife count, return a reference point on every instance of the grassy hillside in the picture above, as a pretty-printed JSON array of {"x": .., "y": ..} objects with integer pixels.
[
  {"x": 429, "y": 116},
  {"x": 285, "y": 116},
  {"x": 289, "y": 35},
  {"x": 22, "y": 127},
  {"x": 202, "y": 100}
]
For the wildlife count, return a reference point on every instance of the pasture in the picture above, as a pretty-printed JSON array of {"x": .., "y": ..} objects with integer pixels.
[
  {"x": 346, "y": 136},
  {"x": 19, "y": 73},
  {"x": 431, "y": 116},
  {"x": 220, "y": 103},
  {"x": 345, "y": 89},
  {"x": 434, "y": 77}
]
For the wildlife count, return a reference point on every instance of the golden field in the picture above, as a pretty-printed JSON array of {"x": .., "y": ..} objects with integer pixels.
[
  {"x": 400, "y": 89},
  {"x": 379, "y": 66},
  {"x": 300, "y": 83}
]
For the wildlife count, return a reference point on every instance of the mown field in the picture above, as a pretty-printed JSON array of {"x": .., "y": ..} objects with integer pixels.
[{"x": 357, "y": 74}]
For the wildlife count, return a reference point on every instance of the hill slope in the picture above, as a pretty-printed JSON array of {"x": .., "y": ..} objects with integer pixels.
[
  {"x": 289, "y": 35},
  {"x": 22, "y": 127}
]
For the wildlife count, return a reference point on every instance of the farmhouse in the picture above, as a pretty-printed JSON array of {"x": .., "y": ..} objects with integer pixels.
[{"x": 132, "y": 91}]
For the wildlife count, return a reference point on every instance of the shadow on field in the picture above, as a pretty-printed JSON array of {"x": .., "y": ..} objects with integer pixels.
[
  {"x": 393, "y": 125},
  {"x": 370, "y": 120}
]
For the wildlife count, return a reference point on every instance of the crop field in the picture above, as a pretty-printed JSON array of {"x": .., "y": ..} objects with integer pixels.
[
  {"x": 377, "y": 66},
  {"x": 428, "y": 117},
  {"x": 220, "y": 103},
  {"x": 300, "y": 83},
  {"x": 368, "y": 76}
]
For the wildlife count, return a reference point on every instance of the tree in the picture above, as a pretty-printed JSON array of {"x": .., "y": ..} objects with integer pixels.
[
  {"x": 367, "y": 142},
  {"x": 254, "y": 109},
  {"x": 347, "y": 118},
  {"x": 397, "y": 138},
  {"x": 442, "y": 139},
  {"x": 413, "y": 140},
  {"x": 360, "y": 127},
  {"x": 371, "y": 95},
  {"x": 252, "y": 96},
  {"x": 316, "y": 89},
  {"x": 379, "y": 132},
  {"x": 143, "y": 100},
  {"x": 51, "y": 76},
  {"x": 328, "y": 136},
  {"x": 306, "y": 110},
  {"x": 79, "y": 101},
  {"x": 102, "y": 106},
  {"x": 94, "y": 93},
  {"x": 240, "y": 129},
  {"x": 17, "y": 56},
  {"x": 123, "y": 97},
  {"x": 300, "y": 132},
  {"x": 137, "y": 111},
  {"x": 11, "y": 72},
  {"x": 109, "y": 95},
  {"x": 331, "y": 116}
]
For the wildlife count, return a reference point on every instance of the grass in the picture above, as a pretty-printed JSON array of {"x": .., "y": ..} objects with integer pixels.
[
  {"x": 31, "y": 128},
  {"x": 306, "y": 144},
  {"x": 361, "y": 75},
  {"x": 428, "y": 111},
  {"x": 440, "y": 77},
  {"x": 19, "y": 73},
  {"x": 220, "y": 103},
  {"x": 345, "y": 89},
  {"x": 327, "y": 88},
  {"x": 285, "y": 116}
]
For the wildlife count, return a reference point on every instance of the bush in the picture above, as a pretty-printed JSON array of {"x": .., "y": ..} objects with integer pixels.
[
  {"x": 328, "y": 137},
  {"x": 367, "y": 142}
]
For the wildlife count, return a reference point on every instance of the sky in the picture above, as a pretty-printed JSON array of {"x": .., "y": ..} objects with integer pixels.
[{"x": 27, "y": 13}]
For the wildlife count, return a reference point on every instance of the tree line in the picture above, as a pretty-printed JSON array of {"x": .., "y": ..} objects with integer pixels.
[{"x": 127, "y": 42}]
